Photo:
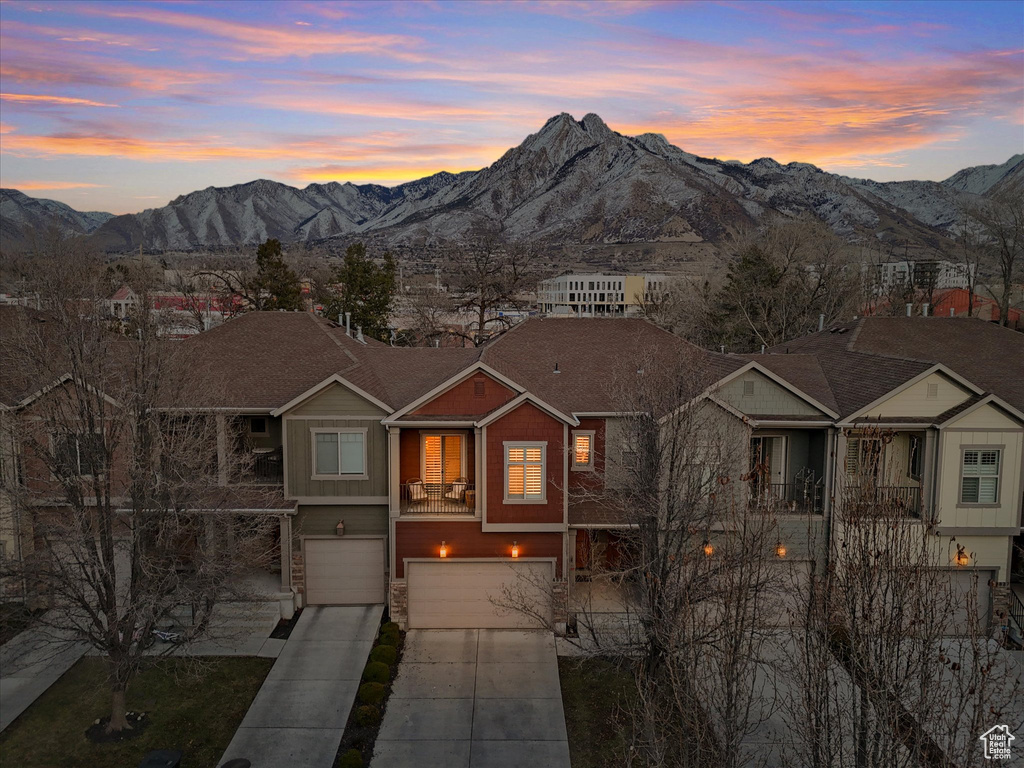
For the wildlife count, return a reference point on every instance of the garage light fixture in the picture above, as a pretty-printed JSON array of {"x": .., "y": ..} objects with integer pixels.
[
  {"x": 780, "y": 550},
  {"x": 962, "y": 558},
  {"x": 709, "y": 550},
  {"x": 515, "y": 549},
  {"x": 444, "y": 549}
]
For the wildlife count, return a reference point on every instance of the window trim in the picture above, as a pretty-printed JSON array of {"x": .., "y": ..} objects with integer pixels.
[
  {"x": 960, "y": 503},
  {"x": 543, "y": 471},
  {"x": 78, "y": 458},
  {"x": 588, "y": 467},
  {"x": 913, "y": 438},
  {"x": 314, "y": 431}
]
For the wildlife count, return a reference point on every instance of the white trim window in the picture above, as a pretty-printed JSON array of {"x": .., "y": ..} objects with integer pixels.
[
  {"x": 71, "y": 453},
  {"x": 583, "y": 449},
  {"x": 979, "y": 476},
  {"x": 525, "y": 472},
  {"x": 339, "y": 454}
]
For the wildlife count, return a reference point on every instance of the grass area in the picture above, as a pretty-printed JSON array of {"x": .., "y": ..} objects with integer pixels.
[
  {"x": 593, "y": 694},
  {"x": 196, "y": 714},
  {"x": 14, "y": 617}
]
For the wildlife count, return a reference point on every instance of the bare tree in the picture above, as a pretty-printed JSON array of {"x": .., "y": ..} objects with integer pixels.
[
  {"x": 486, "y": 274},
  {"x": 1001, "y": 217},
  {"x": 892, "y": 664},
  {"x": 121, "y": 479}
]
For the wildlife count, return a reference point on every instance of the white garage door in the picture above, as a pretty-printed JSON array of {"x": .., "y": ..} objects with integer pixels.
[
  {"x": 469, "y": 595},
  {"x": 971, "y": 593},
  {"x": 344, "y": 571}
]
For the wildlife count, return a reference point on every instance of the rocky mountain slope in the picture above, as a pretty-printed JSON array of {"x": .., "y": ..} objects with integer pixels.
[
  {"x": 571, "y": 182},
  {"x": 22, "y": 217}
]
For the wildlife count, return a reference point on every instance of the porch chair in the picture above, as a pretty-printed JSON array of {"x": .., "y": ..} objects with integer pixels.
[
  {"x": 417, "y": 491},
  {"x": 457, "y": 490}
]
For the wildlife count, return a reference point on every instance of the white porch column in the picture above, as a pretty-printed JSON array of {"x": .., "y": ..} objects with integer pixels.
[
  {"x": 394, "y": 474},
  {"x": 222, "y": 449}
]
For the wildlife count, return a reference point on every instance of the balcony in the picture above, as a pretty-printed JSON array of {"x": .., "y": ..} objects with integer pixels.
[
  {"x": 263, "y": 467},
  {"x": 804, "y": 498},
  {"x": 904, "y": 500},
  {"x": 419, "y": 498}
]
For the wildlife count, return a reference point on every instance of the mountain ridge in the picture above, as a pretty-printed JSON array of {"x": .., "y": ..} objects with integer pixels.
[{"x": 570, "y": 182}]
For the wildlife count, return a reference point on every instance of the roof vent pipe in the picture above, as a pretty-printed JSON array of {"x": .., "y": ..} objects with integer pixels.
[
  {"x": 556, "y": 369},
  {"x": 924, "y": 310},
  {"x": 821, "y": 322},
  {"x": 722, "y": 347},
  {"x": 910, "y": 309},
  {"x": 359, "y": 334},
  {"x": 952, "y": 311},
  {"x": 348, "y": 323},
  {"x": 762, "y": 349}
]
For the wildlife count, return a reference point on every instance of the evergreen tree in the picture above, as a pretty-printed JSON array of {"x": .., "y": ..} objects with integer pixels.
[
  {"x": 276, "y": 283},
  {"x": 367, "y": 291}
]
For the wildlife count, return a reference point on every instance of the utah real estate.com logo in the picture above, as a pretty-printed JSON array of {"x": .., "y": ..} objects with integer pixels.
[{"x": 997, "y": 742}]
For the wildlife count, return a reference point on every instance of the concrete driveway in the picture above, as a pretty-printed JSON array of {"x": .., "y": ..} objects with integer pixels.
[
  {"x": 475, "y": 699},
  {"x": 29, "y": 664},
  {"x": 298, "y": 716}
]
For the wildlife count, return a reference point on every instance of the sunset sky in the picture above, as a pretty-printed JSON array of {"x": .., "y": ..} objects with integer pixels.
[{"x": 123, "y": 106}]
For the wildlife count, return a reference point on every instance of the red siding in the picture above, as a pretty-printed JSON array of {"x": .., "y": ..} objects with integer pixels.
[
  {"x": 578, "y": 479},
  {"x": 409, "y": 464},
  {"x": 463, "y": 400},
  {"x": 466, "y": 539},
  {"x": 527, "y": 422}
]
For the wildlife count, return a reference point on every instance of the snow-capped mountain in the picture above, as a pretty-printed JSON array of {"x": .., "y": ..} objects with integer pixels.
[
  {"x": 22, "y": 216},
  {"x": 571, "y": 182}
]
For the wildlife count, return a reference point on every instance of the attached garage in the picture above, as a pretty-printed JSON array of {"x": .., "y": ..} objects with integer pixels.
[
  {"x": 344, "y": 571},
  {"x": 970, "y": 593},
  {"x": 467, "y": 594}
]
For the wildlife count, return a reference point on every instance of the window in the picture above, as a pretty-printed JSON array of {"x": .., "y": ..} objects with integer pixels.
[
  {"x": 339, "y": 454},
  {"x": 524, "y": 472},
  {"x": 583, "y": 450},
  {"x": 864, "y": 454},
  {"x": 915, "y": 457},
  {"x": 979, "y": 476},
  {"x": 443, "y": 459},
  {"x": 78, "y": 454},
  {"x": 257, "y": 425}
]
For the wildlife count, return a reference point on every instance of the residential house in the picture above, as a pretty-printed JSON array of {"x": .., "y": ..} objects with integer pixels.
[{"x": 431, "y": 479}]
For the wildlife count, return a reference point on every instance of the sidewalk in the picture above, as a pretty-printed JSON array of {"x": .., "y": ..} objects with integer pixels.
[
  {"x": 29, "y": 664},
  {"x": 299, "y": 715}
]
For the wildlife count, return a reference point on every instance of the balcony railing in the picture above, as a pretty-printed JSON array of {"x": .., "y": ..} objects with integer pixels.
[
  {"x": 800, "y": 497},
  {"x": 264, "y": 468},
  {"x": 418, "y": 498},
  {"x": 904, "y": 499}
]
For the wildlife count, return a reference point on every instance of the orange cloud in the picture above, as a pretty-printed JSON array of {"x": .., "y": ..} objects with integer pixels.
[
  {"x": 267, "y": 41},
  {"x": 38, "y": 185},
  {"x": 64, "y": 101}
]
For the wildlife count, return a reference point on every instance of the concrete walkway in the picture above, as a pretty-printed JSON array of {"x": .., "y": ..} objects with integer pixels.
[
  {"x": 30, "y": 663},
  {"x": 299, "y": 714},
  {"x": 475, "y": 699}
]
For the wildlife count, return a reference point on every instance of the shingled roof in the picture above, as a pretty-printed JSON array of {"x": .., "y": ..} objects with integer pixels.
[{"x": 864, "y": 359}]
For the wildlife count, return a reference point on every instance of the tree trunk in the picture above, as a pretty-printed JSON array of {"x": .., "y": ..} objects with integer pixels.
[{"x": 118, "y": 711}]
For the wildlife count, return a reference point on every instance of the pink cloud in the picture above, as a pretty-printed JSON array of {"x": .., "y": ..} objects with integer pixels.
[{"x": 62, "y": 101}]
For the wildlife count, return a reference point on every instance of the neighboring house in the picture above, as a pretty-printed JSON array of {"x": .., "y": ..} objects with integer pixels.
[
  {"x": 451, "y": 472},
  {"x": 956, "y": 302}
]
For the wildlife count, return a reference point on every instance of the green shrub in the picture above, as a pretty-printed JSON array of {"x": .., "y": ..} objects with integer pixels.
[
  {"x": 389, "y": 626},
  {"x": 376, "y": 672},
  {"x": 389, "y": 634},
  {"x": 367, "y": 715},
  {"x": 385, "y": 654},
  {"x": 371, "y": 693},
  {"x": 351, "y": 759}
]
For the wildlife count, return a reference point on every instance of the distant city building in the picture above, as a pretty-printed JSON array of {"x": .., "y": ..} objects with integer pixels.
[
  {"x": 923, "y": 274},
  {"x": 595, "y": 294}
]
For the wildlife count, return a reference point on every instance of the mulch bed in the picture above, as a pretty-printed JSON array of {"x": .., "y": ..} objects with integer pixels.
[
  {"x": 97, "y": 732},
  {"x": 283, "y": 630},
  {"x": 364, "y": 737}
]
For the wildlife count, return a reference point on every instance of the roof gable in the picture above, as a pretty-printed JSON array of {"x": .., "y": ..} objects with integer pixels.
[{"x": 755, "y": 394}]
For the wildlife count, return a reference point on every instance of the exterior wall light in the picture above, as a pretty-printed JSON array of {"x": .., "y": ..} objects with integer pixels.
[
  {"x": 444, "y": 550},
  {"x": 780, "y": 550},
  {"x": 962, "y": 558},
  {"x": 515, "y": 549},
  {"x": 709, "y": 550}
]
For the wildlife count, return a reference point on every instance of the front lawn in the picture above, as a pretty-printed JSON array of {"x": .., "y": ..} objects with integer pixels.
[
  {"x": 593, "y": 694},
  {"x": 197, "y": 715},
  {"x": 14, "y": 617}
]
